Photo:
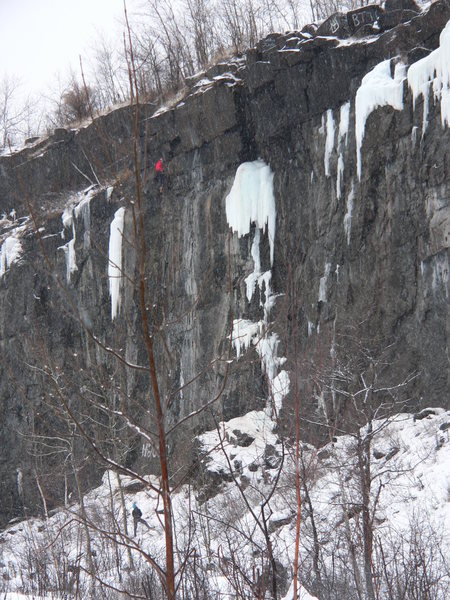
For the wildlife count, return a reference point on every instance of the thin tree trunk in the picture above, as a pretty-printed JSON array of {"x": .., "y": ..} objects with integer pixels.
[
  {"x": 139, "y": 230},
  {"x": 364, "y": 470},
  {"x": 90, "y": 561}
]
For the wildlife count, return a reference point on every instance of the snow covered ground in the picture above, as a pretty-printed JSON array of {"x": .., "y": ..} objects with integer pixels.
[{"x": 247, "y": 499}]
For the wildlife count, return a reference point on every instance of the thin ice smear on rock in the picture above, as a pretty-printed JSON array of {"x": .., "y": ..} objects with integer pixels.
[{"x": 10, "y": 253}]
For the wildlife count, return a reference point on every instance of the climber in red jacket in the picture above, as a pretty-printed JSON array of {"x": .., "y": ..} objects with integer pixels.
[{"x": 159, "y": 174}]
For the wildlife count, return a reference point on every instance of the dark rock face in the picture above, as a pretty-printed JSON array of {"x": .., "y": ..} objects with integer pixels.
[
  {"x": 66, "y": 161},
  {"x": 348, "y": 249}
]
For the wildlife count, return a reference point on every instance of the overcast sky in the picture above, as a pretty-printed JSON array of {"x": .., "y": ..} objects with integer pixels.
[{"x": 39, "y": 38}]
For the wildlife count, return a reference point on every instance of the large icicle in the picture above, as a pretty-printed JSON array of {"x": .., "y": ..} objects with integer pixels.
[
  {"x": 344, "y": 122},
  {"x": 78, "y": 207},
  {"x": 245, "y": 333},
  {"x": 433, "y": 71},
  {"x": 69, "y": 248},
  {"x": 251, "y": 200},
  {"x": 83, "y": 209},
  {"x": 259, "y": 278},
  {"x": 252, "y": 279},
  {"x": 248, "y": 333},
  {"x": 378, "y": 88},
  {"x": 115, "y": 261}
]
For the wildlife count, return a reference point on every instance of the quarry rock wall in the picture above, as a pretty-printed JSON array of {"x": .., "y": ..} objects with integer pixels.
[{"x": 306, "y": 196}]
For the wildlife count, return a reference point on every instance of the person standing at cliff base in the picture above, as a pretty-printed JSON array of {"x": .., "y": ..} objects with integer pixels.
[
  {"x": 159, "y": 174},
  {"x": 137, "y": 518}
]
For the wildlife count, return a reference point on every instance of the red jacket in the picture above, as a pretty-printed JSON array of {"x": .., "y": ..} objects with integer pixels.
[{"x": 159, "y": 168}]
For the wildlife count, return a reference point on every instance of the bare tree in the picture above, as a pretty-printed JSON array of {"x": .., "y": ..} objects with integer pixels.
[
  {"x": 358, "y": 389},
  {"x": 110, "y": 73},
  {"x": 19, "y": 117},
  {"x": 201, "y": 24},
  {"x": 73, "y": 101},
  {"x": 78, "y": 101}
]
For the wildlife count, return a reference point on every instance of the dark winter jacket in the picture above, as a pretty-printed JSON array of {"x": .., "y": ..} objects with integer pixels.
[{"x": 137, "y": 513}]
